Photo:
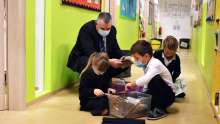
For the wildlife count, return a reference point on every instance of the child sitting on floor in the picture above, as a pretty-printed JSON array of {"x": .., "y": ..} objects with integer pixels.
[
  {"x": 170, "y": 58},
  {"x": 157, "y": 80},
  {"x": 95, "y": 81}
]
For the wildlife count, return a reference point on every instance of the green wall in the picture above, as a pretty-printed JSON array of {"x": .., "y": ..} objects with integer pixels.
[
  {"x": 203, "y": 42},
  {"x": 65, "y": 22},
  {"x": 30, "y": 59},
  {"x": 149, "y": 32},
  {"x": 127, "y": 30},
  {"x": 62, "y": 24}
]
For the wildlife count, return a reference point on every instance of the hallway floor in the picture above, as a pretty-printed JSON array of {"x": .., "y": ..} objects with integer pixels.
[{"x": 63, "y": 108}]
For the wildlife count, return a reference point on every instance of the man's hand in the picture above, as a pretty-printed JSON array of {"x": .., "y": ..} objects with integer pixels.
[
  {"x": 126, "y": 58},
  {"x": 127, "y": 61},
  {"x": 111, "y": 91},
  {"x": 130, "y": 86},
  {"x": 116, "y": 63},
  {"x": 98, "y": 92}
]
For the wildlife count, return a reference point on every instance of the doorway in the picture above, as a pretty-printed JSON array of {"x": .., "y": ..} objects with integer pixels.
[{"x": 12, "y": 55}]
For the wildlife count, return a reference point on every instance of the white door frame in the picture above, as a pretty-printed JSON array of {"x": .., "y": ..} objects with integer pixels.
[
  {"x": 39, "y": 45},
  {"x": 110, "y": 6},
  {"x": 106, "y": 5},
  {"x": 3, "y": 94},
  {"x": 16, "y": 54},
  {"x": 112, "y": 9}
]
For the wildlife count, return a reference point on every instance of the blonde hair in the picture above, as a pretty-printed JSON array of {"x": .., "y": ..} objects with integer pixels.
[
  {"x": 171, "y": 43},
  {"x": 100, "y": 59}
]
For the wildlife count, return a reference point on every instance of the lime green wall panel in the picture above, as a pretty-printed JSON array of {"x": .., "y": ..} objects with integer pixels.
[
  {"x": 65, "y": 24},
  {"x": 149, "y": 32},
  {"x": 30, "y": 59},
  {"x": 62, "y": 24},
  {"x": 203, "y": 42},
  {"x": 127, "y": 30},
  {"x": 48, "y": 45},
  {"x": 209, "y": 52}
]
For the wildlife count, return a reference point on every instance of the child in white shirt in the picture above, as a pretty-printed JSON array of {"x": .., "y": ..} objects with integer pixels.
[{"x": 157, "y": 80}]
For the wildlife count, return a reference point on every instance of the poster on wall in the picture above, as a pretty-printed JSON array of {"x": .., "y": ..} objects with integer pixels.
[
  {"x": 87, "y": 4},
  {"x": 198, "y": 14},
  {"x": 128, "y": 9},
  {"x": 175, "y": 18},
  {"x": 175, "y": 8},
  {"x": 210, "y": 10},
  {"x": 143, "y": 16}
]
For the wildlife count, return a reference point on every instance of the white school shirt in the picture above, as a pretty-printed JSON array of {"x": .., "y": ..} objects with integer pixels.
[
  {"x": 166, "y": 61},
  {"x": 153, "y": 68}
]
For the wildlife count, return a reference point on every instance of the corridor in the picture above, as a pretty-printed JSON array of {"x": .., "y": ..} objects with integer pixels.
[
  {"x": 63, "y": 108},
  {"x": 46, "y": 44}
]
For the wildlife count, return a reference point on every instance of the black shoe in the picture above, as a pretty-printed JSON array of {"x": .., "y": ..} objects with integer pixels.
[
  {"x": 181, "y": 95},
  {"x": 161, "y": 111},
  {"x": 156, "y": 114}
]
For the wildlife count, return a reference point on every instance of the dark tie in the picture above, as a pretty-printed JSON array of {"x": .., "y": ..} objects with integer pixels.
[{"x": 102, "y": 45}]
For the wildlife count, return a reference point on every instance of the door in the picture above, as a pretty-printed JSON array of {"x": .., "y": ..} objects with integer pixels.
[{"x": 3, "y": 61}]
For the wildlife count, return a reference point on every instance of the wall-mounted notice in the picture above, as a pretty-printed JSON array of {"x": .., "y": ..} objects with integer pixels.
[
  {"x": 128, "y": 8},
  {"x": 88, "y": 4},
  {"x": 175, "y": 18},
  {"x": 175, "y": 8},
  {"x": 210, "y": 10}
]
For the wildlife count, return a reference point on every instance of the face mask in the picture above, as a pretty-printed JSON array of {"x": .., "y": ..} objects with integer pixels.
[
  {"x": 139, "y": 64},
  {"x": 103, "y": 32},
  {"x": 97, "y": 71}
]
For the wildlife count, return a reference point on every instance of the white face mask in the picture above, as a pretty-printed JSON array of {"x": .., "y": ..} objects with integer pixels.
[
  {"x": 139, "y": 64},
  {"x": 103, "y": 32},
  {"x": 97, "y": 71}
]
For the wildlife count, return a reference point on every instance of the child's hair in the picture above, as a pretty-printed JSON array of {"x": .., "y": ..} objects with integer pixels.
[
  {"x": 99, "y": 59},
  {"x": 142, "y": 47},
  {"x": 171, "y": 43}
]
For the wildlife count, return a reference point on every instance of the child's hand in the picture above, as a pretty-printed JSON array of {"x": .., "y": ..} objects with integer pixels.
[
  {"x": 98, "y": 92},
  {"x": 130, "y": 86},
  {"x": 116, "y": 63},
  {"x": 111, "y": 91}
]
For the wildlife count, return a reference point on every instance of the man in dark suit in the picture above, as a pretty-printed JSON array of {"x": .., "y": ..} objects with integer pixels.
[{"x": 96, "y": 36}]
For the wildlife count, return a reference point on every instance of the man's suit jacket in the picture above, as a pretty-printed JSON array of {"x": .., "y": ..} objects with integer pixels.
[{"x": 88, "y": 41}]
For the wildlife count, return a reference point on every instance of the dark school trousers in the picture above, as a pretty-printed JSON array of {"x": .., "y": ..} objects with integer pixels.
[
  {"x": 162, "y": 94},
  {"x": 96, "y": 105}
]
